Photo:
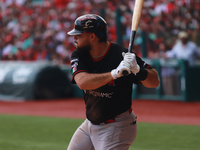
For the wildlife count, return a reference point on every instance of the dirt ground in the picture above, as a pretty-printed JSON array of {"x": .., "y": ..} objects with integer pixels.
[{"x": 154, "y": 111}]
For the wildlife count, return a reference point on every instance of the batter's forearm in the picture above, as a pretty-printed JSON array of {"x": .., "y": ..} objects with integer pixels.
[
  {"x": 152, "y": 80},
  {"x": 91, "y": 81}
]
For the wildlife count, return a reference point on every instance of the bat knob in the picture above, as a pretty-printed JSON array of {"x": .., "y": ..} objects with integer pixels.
[{"x": 125, "y": 73}]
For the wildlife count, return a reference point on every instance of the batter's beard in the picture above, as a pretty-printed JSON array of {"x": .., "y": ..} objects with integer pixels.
[{"x": 84, "y": 50}]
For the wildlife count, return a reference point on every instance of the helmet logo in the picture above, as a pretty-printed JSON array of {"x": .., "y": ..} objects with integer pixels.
[{"x": 87, "y": 24}]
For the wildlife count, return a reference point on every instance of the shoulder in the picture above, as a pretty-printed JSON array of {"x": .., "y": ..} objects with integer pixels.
[
  {"x": 74, "y": 53},
  {"x": 117, "y": 47},
  {"x": 79, "y": 54}
]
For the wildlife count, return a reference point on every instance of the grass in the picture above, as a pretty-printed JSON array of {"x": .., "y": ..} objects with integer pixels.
[
  {"x": 167, "y": 137},
  {"x": 35, "y": 133},
  {"x": 42, "y": 133}
]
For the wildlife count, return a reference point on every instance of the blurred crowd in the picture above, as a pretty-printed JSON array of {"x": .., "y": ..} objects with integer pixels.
[{"x": 33, "y": 30}]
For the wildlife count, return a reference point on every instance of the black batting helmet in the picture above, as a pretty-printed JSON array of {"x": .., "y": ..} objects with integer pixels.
[{"x": 90, "y": 23}]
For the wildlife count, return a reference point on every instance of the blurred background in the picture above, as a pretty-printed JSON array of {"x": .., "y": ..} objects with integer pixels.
[{"x": 35, "y": 49}]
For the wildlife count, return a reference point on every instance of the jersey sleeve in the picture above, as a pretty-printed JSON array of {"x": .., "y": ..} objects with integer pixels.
[{"x": 77, "y": 65}]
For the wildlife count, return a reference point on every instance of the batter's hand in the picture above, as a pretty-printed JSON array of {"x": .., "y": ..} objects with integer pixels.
[
  {"x": 123, "y": 66},
  {"x": 130, "y": 58}
]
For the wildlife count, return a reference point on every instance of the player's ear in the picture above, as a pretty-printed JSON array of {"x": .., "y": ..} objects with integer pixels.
[{"x": 92, "y": 36}]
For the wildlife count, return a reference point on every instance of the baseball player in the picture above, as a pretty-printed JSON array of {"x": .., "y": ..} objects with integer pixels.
[{"x": 97, "y": 68}]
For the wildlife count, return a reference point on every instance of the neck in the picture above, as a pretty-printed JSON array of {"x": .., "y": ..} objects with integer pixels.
[{"x": 99, "y": 50}]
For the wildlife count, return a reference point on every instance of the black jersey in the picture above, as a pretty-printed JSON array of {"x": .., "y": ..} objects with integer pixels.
[{"x": 113, "y": 98}]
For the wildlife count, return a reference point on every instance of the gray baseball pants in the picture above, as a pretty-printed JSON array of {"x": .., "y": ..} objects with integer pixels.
[{"x": 118, "y": 135}]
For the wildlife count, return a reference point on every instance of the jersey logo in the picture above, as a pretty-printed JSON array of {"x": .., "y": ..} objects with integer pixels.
[
  {"x": 74, "y": 60},
  {"x": 74, "y": 64},
  {"x": 74, "y": 69},
  {"x": 87, "y": 25},
  {"x": 99, "y": 94}
]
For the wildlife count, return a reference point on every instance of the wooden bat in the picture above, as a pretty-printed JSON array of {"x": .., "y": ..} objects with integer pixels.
[{"x": 135, "y": 22}]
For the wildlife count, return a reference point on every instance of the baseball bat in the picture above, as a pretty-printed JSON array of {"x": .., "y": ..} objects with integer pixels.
[{"x": 135, "y": 22}]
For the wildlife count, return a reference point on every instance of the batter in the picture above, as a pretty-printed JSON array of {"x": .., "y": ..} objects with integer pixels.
[{"x": 97, "y": 68}]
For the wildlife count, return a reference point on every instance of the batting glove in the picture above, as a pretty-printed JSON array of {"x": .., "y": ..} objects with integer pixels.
[
  {"x": 130, "y": 58},
  {"x": 118, "y": 72}
]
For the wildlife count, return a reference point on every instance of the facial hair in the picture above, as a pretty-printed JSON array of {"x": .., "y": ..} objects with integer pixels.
[{"x": 85, "y": 49}]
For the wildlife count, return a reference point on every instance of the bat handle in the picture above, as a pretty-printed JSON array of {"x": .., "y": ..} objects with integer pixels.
[
  {"x": 132, "y": 38},
  {"x": 125, "y": 73}
]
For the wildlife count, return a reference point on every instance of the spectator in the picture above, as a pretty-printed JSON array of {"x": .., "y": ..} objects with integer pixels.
[
  {"x": 27, "y": 20},
  {"x": 184, "y": 49},
  {"x": 170, "y": 76}
]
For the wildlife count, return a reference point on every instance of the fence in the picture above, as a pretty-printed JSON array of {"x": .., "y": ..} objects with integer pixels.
[
  {"x": 178, "y": 81},
  {"x": 43, "y": 80},
  {"x": 21, "y": 80}
]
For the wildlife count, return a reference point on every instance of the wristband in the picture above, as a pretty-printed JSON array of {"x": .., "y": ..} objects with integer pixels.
[{"x": 142, "y": 74}]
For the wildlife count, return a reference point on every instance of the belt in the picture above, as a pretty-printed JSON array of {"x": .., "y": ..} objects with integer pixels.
[{"x": 113, "y": 120}]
